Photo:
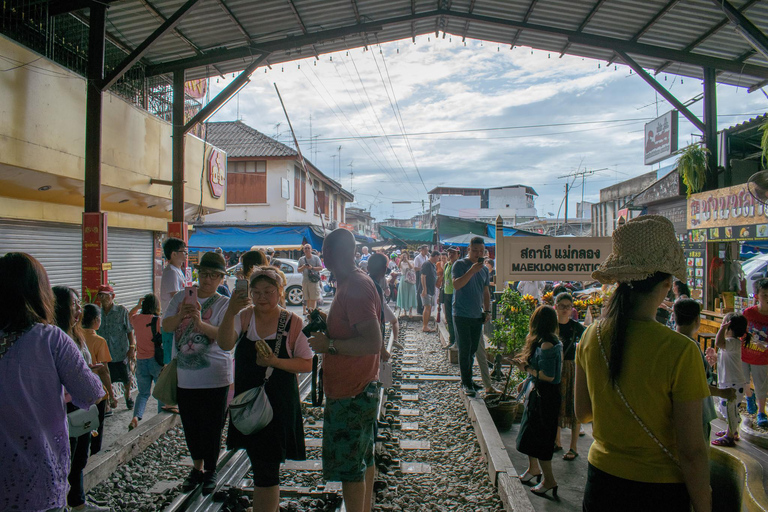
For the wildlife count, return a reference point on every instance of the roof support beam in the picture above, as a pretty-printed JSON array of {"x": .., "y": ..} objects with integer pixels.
[
  {"x": 234, "y": 19},
  {"x": 177, "y": 147},
  {"x": 584, "y": 23},
  {"x": 710, "y": 130},
  {"x": 525, "y": 20},
  {"x": 746, "y": 28},
  {"x": 629, "y": 61},
  {"x": 650, "y": 24},
  {"x": 595, "y": 41},
  {"x": 93, "y": 108},
  {"x": 616, "y": 45},
  {"x": 706, "y": 35},
  {"x": 224, "y": 96},
  {"x": 466, "y": 25},
  {"x": 144, "y": 47}
]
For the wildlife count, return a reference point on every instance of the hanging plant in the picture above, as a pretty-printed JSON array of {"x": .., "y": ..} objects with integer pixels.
[
  {"x": 692, "y": 166},
  {"x": 764, "y": 144}
]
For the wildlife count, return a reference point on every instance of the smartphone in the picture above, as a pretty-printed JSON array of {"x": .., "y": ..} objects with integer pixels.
[
  {"x": 480, "y": 260},
  {"x": 241, "y": 286},
  {"x": 190, "y": 295}
]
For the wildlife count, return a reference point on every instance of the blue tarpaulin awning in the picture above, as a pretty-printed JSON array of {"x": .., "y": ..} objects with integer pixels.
[
  {"x": 242, "y": 238},
  {"x": 508, "y": 231}
]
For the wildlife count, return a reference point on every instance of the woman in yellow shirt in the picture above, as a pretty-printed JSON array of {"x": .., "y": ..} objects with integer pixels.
[{"x": 642, "y": 384}]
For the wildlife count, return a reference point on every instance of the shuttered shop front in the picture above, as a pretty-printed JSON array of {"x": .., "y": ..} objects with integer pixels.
[
  {"x": 130, "y": 252},
  {"x": 59, "y": 248}
]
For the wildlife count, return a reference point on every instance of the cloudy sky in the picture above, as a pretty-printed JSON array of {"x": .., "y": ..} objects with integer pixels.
[{"x": 478, "y": 115}]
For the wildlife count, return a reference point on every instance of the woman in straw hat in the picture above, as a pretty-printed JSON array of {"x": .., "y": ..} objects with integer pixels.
[{"x": 642, "y": 384}]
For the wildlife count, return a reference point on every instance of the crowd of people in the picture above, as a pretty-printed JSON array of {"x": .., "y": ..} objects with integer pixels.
[{"x": 646, "y": 388}]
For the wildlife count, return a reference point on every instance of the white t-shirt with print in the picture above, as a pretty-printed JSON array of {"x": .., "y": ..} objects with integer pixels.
[
  {"x": 729, "y": 364},
  {"x": 202, "y": 364}
]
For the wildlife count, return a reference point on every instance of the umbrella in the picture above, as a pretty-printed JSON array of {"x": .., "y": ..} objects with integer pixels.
[{"x": 463, "y": 240}]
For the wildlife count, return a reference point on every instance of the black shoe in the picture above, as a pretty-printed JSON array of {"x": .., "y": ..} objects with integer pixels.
[
  {"x": 194, "y": 479},
  {"x": 477, "y": 386},
  {"x": 128, "y": 403},
  {"x": 209, "y": 482},
  {"x": 469, "y": 391}
]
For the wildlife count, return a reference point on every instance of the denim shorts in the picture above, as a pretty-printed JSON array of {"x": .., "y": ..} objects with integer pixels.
[{"x": 348, "y": 435}]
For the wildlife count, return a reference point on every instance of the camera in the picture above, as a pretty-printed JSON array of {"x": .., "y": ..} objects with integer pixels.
[
  {"x": 480, "y": 260},
  {"x": 316, "y": 324}
]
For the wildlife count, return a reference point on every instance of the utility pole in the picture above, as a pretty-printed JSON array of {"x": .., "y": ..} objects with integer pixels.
[
  {"x": 566, "y": 204},
  {"x": 351, "y": 176},
  {"x": 339, "y": 160},
  {"x": 575, "y": 175}
]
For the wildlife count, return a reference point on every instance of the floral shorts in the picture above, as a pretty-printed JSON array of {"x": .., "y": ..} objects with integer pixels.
[{"x": 348, "y": 435}]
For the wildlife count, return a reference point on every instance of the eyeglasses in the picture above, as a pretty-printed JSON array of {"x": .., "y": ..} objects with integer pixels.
[
  {"x": 565, "y": 306},
  {"x": 266, "y": 294},
  {"x": 209, "y": 275}
]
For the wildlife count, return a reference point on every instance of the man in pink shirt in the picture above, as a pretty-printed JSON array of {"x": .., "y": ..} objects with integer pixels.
[{"x": 350, "y": 374}]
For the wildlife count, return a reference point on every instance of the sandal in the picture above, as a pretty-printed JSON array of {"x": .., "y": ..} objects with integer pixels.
[
  {"x": 581, "y": 432},
  {"x": 570, "y": 455},
  {"x": 171, "y": 409},
  {"x": 724, "y": 441},
  {"x": 133, "y": 424},
  {"x": 723, "y": 433},
  {"x": 557, "y": 449}
]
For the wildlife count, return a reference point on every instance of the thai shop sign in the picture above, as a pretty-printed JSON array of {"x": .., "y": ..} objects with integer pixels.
[
  {"x": 730, "y": 207},
  {"x": 661, "y": 138}
]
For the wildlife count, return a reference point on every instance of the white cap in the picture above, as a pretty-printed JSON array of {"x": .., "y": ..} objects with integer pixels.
[{"x": 270, "y": 249}]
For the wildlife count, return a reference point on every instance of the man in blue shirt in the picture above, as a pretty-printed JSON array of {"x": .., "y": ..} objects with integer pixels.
[{"x": 471, "y": 308}]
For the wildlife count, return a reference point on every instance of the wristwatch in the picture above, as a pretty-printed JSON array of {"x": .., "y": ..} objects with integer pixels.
[{"x": 331, "y": 349}]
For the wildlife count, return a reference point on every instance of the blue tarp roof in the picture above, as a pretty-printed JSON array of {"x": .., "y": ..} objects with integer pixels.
[
  {"x": 491, "y": 229},
  {"x": 242, "y": 238}
]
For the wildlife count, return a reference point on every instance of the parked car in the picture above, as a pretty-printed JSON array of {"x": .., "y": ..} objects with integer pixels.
[
  {"x": 755, "y": 269},
  {"x": 294, "y": 296}
]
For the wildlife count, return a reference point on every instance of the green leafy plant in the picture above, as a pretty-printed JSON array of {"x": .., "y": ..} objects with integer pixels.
[
  {"x": 764, "y": 144},
  {"x": 511, "y": 324},
  {"x": 692, "y": 166}
]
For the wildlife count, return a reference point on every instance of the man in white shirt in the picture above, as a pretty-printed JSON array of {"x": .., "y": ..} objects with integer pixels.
[
  {"x": 173, "y": 282},
  {"x": 418, "y": 261},
  {"x": 532, "y": 288}
]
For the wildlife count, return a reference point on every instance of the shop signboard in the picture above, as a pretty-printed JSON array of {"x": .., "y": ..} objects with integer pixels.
[
  {"x": 539, "y": 258},
  {"x": 661, "y": 138},
  {"x": 727, "y": 214},
  {"x": 217, "y": 172},
  {"x": 695, "y": 262}
]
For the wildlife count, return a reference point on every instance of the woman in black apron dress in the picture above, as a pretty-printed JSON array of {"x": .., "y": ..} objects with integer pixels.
[{"x": 283, "y": 437}]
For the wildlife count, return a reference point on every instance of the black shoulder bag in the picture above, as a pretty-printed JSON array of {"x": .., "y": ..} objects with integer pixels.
[{"x": 157, "y": 341}]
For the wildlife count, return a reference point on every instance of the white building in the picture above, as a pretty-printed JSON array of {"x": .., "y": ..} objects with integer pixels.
[
  {"x": 515, "y": 203},
  {"x": 605, "y": 214},
  {"x": 269, "y": 193}
]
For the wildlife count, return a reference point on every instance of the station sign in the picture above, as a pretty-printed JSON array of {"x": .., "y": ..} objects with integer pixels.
[
  {"x": 660, "y": 138},
  {"x": 217, "y": 172}
]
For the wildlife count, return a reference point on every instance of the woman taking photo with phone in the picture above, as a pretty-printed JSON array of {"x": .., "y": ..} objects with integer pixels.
[
  {"x": 269, "y": 346},
  {"x": 204, "y": 368},
  {"x": 641, "y": 384}
]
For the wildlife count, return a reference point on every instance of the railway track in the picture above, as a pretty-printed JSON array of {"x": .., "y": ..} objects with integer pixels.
[{"x": 234, "y": 466}]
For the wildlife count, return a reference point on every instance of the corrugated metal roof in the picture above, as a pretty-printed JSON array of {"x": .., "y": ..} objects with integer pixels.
[
  {"x": 568, "y": 26},
  {"x": 240, "y": 140}
]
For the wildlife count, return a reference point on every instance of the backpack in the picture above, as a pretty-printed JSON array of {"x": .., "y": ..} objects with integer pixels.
[{"x": 157, "y": 341}]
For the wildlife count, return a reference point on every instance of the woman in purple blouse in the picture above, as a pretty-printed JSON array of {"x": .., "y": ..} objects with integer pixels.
[{"x": 37, "y": 360}]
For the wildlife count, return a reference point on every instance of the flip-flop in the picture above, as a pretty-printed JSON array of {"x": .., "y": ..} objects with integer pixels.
[
  {"x": 558, "y": 449},
  {"x": 172, "y": 410},
  {"x": 570, "y": 455}
]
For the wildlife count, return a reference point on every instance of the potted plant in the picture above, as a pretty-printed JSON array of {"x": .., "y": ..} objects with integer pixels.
[
  {"x": 511, "y": 325},
  {"x": 506, "y": 408},
  {"x": 692, "y": 167}
]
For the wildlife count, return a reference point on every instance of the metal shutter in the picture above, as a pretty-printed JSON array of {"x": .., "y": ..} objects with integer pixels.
[
  {"x": 130, "y": 252},
  {"x": 57, "y": 246}
]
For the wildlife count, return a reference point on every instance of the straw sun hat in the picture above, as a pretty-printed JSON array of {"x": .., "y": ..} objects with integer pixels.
[{"x": 641, "y": 247}]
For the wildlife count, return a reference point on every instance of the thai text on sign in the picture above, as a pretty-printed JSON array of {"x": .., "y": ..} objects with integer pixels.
[
  {"x": 550, "y": 259},
  {"x": 725, "y": 207}
]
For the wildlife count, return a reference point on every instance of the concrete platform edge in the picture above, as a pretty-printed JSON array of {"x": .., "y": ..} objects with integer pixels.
[
  {"x": 128, "y": 446},
  {"x": 501, "y": 472}
]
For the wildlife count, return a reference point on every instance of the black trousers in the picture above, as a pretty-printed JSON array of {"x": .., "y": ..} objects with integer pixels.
[
  {"x": 419, "y": 305},
  {"x": 469, "y": 331},
  {"x": 608, "y": 493},
  {"x": 78, "y": 447},
  {"x": 448, "y": 302},
  {"x": 203, "y": 412},
  {"x": 96, "y": 441}
]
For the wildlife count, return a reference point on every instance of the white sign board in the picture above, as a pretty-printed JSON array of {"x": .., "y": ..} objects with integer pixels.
[
  {"x": 285, "y": 191},
  {"x": 546, "y": 258},
  {"x": 660, "y": 138}
]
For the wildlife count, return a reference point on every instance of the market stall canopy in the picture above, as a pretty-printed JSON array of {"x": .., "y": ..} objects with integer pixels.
[
  {"x": 407, "y": 235},
  {"x": 364, "y": 239},
  {"x": 210, "y": 39},
  {"x": 243, "y": 238},
  {"x": 508, "y": 231},
  {"x": 463, "y": 240}
]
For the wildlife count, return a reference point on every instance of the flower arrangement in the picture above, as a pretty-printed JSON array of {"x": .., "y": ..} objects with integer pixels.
[
  {"x": 532, "y": 301},
  {"x": 548, "y": 299}
]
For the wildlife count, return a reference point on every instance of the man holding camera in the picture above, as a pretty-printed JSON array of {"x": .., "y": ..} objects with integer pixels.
[
  {"x": 350, "y": 373},
  {"x": 471, "y": 308}
]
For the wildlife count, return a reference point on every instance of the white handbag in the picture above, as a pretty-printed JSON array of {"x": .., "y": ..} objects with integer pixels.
[{"x": 250, "y": 411}]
